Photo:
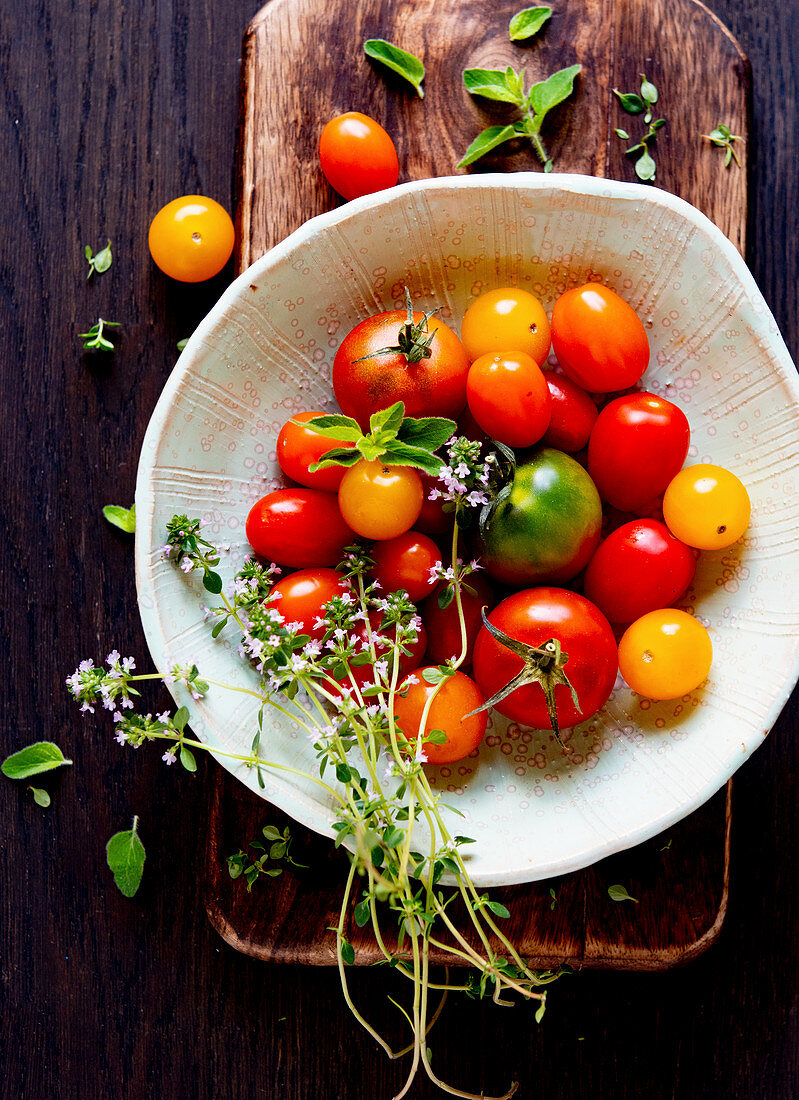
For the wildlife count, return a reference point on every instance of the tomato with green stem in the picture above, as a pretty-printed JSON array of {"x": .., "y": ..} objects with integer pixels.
[
  {"x": 380, "y": 501},
  {"x": 509, "y": 398},
  {"x": 665, "y": 654},
  {"x": 707, "y": 507},
  {"x": 191, "y": 238},
  {"x": 450, "y": 712},
  {"x": 503, "y": 320},
  {"x": 599, "y": 339},
  {"x": 357, "y": 156},
  {"x": 299, "y": 447}
]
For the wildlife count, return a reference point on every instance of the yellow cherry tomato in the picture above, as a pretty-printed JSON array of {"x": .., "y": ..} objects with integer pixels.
[
  {"x": 706, "y": 507},
  {"x": 665, "y": 654},
  {"x": 507, "y": 319},
  {"x": 380, "y": 501},
  {"x": 191, "y": 238}
]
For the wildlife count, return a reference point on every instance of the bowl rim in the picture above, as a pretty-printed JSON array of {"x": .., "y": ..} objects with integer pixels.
[{"x": 305, "y": 810}]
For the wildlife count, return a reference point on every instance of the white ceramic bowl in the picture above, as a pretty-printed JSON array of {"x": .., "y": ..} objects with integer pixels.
[{"x": 265, "y": 352}]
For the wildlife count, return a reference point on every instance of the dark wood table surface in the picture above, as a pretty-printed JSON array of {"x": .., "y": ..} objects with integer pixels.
[{"x": 109, "y": 110}]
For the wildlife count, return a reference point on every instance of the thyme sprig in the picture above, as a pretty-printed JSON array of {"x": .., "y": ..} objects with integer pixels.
[
  {"x": 723, "y": 138},
  {"x": 635, "y": 104}
]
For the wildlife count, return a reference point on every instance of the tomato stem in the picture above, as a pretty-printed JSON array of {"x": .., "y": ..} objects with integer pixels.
[{"x": 413, "y": 340}]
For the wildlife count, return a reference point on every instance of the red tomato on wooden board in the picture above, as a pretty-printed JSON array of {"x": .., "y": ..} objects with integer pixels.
[
  {"x": 509, "y": 398},
  {"x": 405, "y": 563},
  {"x": 638, "y": 444},
  {"x": 599, "y": 339},
  {"x": 300, "y": 528},
  {"x": 640, "y": 567},
  {"x": 573, "y": 414},
  {"x": 434, "y": 386},
  {"x": 357, "y": 156},
  {"x": 299, "y": 447},
  {"x": 534, "y": 616},
  {"x": 301, "y": 597},
  {"x": 443, "y": 625},
  {"x": 456, "y": 697}
]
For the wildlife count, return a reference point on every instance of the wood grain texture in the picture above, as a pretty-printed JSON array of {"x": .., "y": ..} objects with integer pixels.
[
  {"x": 703, "y": 78},
  {"x": 108, "y": 110}
]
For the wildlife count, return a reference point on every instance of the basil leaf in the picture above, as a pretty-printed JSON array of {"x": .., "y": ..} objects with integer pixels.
[
  {"x": 431, "y": 432},
  {"x": 528, "y": 22},
  {"x": 493, "y": 84},
  {"x": 630, "y": 102},
  {"x": 125, "y": 856},
  {"x": 649, "y": 92},
  {"x": 399, "y": 454},
  {"x": 40, "y": 797},
  {"x": 410, "y": 67},
  {"x": 552, "y": 91},
  {"x": 387, "y": 420},
  {"x": 123, "y": 518},
  {"x": 489, "y": 139},
  {"x": 619, "y": 893},
  {"x": 334, "y": 427},
  {"x": 645, "y": 166},
  {"x": 339, "y": 456},
  {"x": 41, "y": 756}
]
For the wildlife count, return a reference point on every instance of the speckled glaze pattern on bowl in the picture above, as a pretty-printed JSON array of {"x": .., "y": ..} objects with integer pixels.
[{"x": 265, "y": 352}]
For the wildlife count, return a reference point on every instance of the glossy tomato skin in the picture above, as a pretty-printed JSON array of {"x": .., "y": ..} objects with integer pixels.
[
  {"x": 379, "y": 501},
  {"x": 433, "y": 520},
  {"x": 640, "y": 567},
  {"x": 509, "y": 398},
  {"x": 443, "y": 624},
  {"x": 506, "y": 319},
  {"x": 435, "y": 386},
  {"x": 599, "y": 339},
  {"x": 534, "y": 616},
  {"x": 299, "y": 447},
  {"x": 357, "y": 155},
  {"x": 707, "y": 506},
  {"x": 665, "y": 654},
  {"x": 638, "y": 444},
  {"x": 549, "y": 526},
  {"x": 406, "y": 562},
  {"x": 301, "y": 528},
  {"x": 456, "y": 697},
  {"x": 191, "y": 238},
  {"x": 573, "y": 414},
  {"x": 301, "y": 597}
]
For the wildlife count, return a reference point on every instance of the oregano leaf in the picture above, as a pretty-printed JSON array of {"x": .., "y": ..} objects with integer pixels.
[
  {"x": 408, "y": 65},
  {"x": 527, "y": 22},
  {"x": 630, "y": 102},
  {"x": 41, "y": 756},
  {"x": 619, "y": 893},
  {"x": 552, "y": 91},
  {"x": 125, "y": 856},
  {"x": 489, "y": 139},
  {"x": 492, "y": 84},
  {"x": 123, "y": 518}
]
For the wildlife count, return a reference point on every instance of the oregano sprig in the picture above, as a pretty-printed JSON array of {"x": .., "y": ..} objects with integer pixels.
[
  {"x": 635, "y": 104},
  {"x": 535, "y": 104}
]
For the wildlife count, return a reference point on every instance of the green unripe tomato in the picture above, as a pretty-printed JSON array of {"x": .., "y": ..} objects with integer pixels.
[{"x": 548, "y": 528}]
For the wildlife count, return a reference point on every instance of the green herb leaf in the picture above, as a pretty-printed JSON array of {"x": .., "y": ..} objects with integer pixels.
[
  {"x": 430, "y": 432},
  {"x": 528, "y": 22},
  {"x": 552, "y": 91},
  {"x": 554, "y": 897},
  {"x": 100, "y": 262},
  {"x": 40, "y": 797},
  {"x": 125, "y": 855},
  {"x": 645, "y": 166},
  {"x": 387, "y": 420},
  {"x": 436, "y": 737},
  {"x": 539, "y": 1012},
  {"x": 182, "y": 343},
  {"x": 123, "y": 518},
  {"x": 619, "y": 893},
  {"x": 334, "y": 426},
  {"x": 436, "y": 675},
  {"x": 347, "y": 952},
  {"x": 338, "y": 456},
  {"x": 212, "y": 582},
  {"x": 187, "y": 759},
  {"x": 410, "y": 67},
  {"x": 498, "y": 909},
  {"x": 649, "y": 92},
  {"x": 489, "y": 139},
  {"x": 41, "y": 756},
  {"x": 361, "y": 913},
  {"x": 399, "y": 454},
  {"x": 271, "y": 832},
  {"x": 180, "y": 719},
  {"x": 617, "y": 130},
  {"x": 630, "y": 102},
  {"x": 502, "y": 85}
]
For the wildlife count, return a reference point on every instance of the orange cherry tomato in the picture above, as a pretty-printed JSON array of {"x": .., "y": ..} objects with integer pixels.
[
  {"x": 707, "y": 507},
  {"x": 191, "y": 238},
  {"x": 406, "y": 562},
  {"x": 299, "y": 447},
  {"x": 456, "y": 697},
  {"x": 599, "y": 339},
  {"x": 507, "y": 319},
  {"x": 509, "y": 398},
  {"x": 379, "y": 501},
  {"x": 357, "y": 155},
  {"x": 665, "y": 654}
]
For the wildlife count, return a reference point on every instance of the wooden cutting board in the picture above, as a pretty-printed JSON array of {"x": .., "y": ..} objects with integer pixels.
[{"x": 302, "y": 64}]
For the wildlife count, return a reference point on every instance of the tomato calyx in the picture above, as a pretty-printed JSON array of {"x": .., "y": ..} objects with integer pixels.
[
  {"x": 543, "y": 665},
  {"x": 413, "y": 339}
]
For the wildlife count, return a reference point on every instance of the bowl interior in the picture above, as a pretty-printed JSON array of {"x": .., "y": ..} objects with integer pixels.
[{"x": 266, "y": 351}]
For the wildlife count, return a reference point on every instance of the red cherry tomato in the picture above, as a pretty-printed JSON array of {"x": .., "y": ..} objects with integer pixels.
[
  {"x": 443, "y": 624},
  {"x": 599, "y": 339},
  {"x": 299, "y": 447},
  {"x": 638, "y": 444},
  {"x": 433, "y": 520},
  {"x": 457, "y": 697},
  {"x": 364, "y": 674},
  {"x": 301, "y": 528},
  {"x": 640, "y": 567},
  {"x": 509, "y": 398},
  {"x": 406, "y": 563},
  {"x": 534, "y": 616},
  {"x": 573, "y": 414},
  {"x": 357, "y": 155},
  {"x": 301, "y": 597},
  {"x": 434, "y": 386}
]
